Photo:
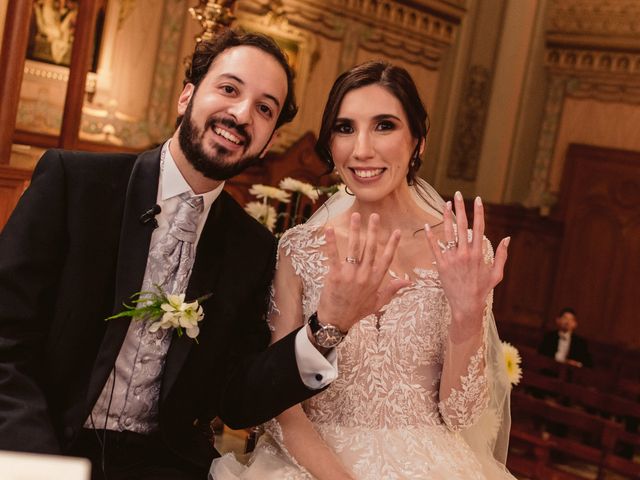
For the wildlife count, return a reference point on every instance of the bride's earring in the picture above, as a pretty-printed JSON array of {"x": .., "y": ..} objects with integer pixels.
[{"x": 413, "y": 167}]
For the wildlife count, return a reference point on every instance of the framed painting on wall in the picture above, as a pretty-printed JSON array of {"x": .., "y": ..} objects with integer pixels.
[{"x": 53, "y": 25}]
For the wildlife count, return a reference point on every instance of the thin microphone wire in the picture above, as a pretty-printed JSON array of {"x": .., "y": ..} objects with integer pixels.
[{"x": 103, "y": 442}]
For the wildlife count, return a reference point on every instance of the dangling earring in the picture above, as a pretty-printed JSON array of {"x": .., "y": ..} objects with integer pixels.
[{"x": 413, "y": 165}]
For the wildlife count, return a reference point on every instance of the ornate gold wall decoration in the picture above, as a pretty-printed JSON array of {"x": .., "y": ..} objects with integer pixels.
[
  {"x": 614, "y": 19},
  {"x": 109, "y": 125},
  {"x": 162, "y": 111},
  {"x": 470, "y": 125},
  {"x": 417, "y": 32},
  {"x": 587, "y": 62},
  {"x": 213, "y": 15},
  {"x": 604, "y": 91},
  {"x": 126, "y": 6},
  {"x": 593, "y": 52},
  {"x": 546, "y": 141}
]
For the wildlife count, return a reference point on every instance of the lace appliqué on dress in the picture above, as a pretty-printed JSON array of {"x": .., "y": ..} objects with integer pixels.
[
  {"x": 462, "y": 407},
  {"x": 383, "y": 415}
]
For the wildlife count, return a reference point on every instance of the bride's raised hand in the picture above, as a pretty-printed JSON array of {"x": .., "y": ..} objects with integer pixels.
[
  {"x": 466, "y": 278},
  {"x": 353, "y": 286}
]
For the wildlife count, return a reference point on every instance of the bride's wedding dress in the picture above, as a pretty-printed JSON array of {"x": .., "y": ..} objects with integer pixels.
[{"x": 399, "y": 407}]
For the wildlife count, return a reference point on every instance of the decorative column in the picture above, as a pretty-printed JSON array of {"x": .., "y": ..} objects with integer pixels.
[
  {"x": 14, "y": 50},
  {"x": 80, "y": 57}
]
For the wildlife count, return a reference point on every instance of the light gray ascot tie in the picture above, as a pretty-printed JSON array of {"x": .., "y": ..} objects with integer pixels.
[{"x": 171, "y": 259}]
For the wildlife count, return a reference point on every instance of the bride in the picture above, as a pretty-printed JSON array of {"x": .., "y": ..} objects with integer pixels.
[{"x": 422, "y": 391}]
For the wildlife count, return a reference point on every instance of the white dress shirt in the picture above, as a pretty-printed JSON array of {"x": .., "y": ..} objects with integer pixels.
[{"x": 564, "y": 344}]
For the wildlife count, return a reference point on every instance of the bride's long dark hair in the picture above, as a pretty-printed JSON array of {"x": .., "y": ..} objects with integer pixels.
[{"x": 399, "y": 83}]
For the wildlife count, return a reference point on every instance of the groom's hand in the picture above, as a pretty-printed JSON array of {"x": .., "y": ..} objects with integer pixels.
[{"x": 352, "y": 287}]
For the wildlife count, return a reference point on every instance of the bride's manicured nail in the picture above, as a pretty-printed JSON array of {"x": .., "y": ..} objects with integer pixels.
[
  {"x": 478, "y": 201},
  {"x": 506, "y": 241},
  {"x": 427, "y": 228},
  {"x": 449, "y": 207},
  {"x": 458, "y": 195}
]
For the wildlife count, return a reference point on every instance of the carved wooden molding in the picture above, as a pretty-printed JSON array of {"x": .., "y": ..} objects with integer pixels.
[
  {"x": 595, "y": 24},
  {"x": 604, "y": 90},
  {"x": 594, "y": 38},
  {"x": 590, "y": 62},
  {"x": 417, "y": 32}
]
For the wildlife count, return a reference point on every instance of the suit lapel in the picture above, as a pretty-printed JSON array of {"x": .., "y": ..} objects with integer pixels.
[
  {"x": 204, "y": 277},
  {"x": 133, "y": 251}
]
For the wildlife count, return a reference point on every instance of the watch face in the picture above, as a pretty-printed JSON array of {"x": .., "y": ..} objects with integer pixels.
[{"x": 328, "y": 336}]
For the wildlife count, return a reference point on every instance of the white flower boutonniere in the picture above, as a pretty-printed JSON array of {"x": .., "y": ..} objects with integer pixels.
[{"x": 166, "y": 310}]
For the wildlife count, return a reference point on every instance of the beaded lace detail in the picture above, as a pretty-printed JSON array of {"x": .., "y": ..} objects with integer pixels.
[
  {"x": 403, "y": 394},
  {"x": 389, "y": 377}
]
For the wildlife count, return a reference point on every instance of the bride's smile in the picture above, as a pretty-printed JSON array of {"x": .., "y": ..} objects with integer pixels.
[{"x": 372, "y": 144}]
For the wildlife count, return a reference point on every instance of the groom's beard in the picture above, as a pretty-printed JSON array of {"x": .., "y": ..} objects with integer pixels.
[{"x": 213, "y": 166}]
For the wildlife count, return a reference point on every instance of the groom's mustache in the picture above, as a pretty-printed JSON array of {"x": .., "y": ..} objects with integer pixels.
[{"x": 232, "y": 125}]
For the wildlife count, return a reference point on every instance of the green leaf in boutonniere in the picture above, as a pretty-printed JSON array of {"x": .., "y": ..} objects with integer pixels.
[{"x": 166, "y": 310}]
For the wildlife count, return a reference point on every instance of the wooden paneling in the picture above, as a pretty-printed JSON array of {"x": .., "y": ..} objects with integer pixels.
[
  {"x": 526, "y": 291},
  {"x": 13, "y": 182},
  {"x": 600, "y": 257}
]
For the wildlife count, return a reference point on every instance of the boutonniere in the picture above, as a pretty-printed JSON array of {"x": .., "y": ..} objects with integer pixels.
[{"x": 165, "y": 310}]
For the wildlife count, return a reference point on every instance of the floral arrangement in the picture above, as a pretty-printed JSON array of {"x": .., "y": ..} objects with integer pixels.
[
  {"x": 165, "y": 310},
  {"x": 268, "y": 215},
  {"x": 512, "y": 361}
]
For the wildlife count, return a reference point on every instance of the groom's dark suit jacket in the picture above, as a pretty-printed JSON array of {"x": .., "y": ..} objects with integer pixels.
[{"x": 73, "y": 251}]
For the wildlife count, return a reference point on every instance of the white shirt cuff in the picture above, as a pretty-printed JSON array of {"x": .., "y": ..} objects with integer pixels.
[{"x": 316, "y": 370}]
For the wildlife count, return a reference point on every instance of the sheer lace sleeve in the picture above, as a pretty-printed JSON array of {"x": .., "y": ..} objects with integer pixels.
[
  {"x": 464, "y": 390},
  {"x": 285, "y": 305}
]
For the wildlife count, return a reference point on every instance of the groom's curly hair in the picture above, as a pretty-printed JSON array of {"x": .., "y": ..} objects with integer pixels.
[{"x": 207, "y": 51}]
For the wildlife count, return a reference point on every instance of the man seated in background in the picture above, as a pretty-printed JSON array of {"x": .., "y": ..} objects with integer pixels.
[{"x": 564, "y": 344}]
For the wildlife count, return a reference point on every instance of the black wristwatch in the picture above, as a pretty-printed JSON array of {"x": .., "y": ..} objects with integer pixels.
[{"x": 326, "y": 335}]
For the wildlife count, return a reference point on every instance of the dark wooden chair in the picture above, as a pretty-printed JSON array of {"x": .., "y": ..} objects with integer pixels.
[
  {"x": 627, "y": 465},
  {"x": 541, "y": 454}
]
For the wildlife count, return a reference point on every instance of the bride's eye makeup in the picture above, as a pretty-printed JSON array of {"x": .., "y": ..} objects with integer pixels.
[
  {"x": 386, "y": 122},
  {"x": 344, "y": 127},
  {"x": 385, "y": 125}
]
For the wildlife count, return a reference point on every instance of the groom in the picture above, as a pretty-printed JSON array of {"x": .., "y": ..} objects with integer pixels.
[{"x": 93, "y": 229}]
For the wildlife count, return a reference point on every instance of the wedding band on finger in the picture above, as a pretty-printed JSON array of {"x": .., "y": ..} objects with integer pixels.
[
  {"x": 450, "y": 244},
  {"x": 352, "y": 260}
]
